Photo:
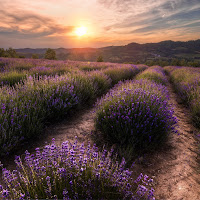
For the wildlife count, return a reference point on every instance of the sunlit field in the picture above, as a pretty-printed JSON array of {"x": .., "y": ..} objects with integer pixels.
[{"x": 133, "y": 117}]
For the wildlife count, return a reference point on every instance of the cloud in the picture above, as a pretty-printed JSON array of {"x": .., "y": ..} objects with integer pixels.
[
  {"x": 110, "y": 22},
  {"x": 28, "y": 24},
  {"x": 169, "y": 14}
]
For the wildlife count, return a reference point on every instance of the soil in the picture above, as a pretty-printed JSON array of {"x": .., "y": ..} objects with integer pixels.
[{"x": 174, "y": 167}]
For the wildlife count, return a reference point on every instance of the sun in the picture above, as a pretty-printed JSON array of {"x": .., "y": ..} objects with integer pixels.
[{"x": 80, "y": 31}]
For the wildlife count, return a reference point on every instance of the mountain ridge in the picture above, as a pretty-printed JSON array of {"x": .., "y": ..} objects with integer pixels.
[{"x": 131, "y": 52}]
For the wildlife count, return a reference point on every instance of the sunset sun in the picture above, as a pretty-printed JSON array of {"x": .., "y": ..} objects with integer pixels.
[{"x": 80, "y": 31}]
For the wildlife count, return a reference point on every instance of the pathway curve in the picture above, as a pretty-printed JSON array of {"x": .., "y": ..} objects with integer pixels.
[{"x": 174, "y": 168}]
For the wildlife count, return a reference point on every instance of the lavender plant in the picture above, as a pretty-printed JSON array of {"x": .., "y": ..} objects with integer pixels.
[
  {"x": 155, "y": 73},
  {"x": 101, "y": 82},
  {"x": 187, "y": 84},
  {"x": 26, "y": 108},
  {"x": 11, "y": 78},
  {"x": 72, "y": 171},
  {"x": 136, "y": 114},
  {"x": 121, "y": 73}
]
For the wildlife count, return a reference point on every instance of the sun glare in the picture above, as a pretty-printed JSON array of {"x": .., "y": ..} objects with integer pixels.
[{"x": 80, "y": 31}]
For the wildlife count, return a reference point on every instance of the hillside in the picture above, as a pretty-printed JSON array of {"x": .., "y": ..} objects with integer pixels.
[{"x": 132, "y": 52}]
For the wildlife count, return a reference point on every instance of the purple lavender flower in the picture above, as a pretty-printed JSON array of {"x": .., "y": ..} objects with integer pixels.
[{"x": 99, "y": 177}]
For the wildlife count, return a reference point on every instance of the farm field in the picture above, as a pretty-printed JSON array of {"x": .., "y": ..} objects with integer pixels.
[{"x": 136, "y": 111}]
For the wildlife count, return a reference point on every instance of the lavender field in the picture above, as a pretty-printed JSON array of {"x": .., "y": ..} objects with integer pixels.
[{"x": 135, "y": 115}]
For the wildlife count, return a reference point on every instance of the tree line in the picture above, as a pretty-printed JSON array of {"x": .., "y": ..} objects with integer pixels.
[
  {"x": 11, "y": 53},
  {"x": 169, "y": 62},
  {"x": 51, "y": 55},
  {"x": 173, "y": 62}
]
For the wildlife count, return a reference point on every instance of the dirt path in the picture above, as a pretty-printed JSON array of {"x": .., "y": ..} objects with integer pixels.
[{"x": 174, "y": 168}]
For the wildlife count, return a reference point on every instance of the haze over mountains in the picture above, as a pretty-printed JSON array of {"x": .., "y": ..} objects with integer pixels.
[{"x": 132, "y": 52}]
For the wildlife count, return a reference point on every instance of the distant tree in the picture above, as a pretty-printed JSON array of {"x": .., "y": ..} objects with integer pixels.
[
  {"x": 150, "y": 62},
  {"x": 22, "y": 56},
  {"x": 183, "y": 62},
  {"x": 174, "y": 62},
  {"x": 2, "y": 52},
  {"x": 100, "y": 59},
  {"x": 35, "y": 56},
  {"x": 11, "y": 53},
  {"x": 50, "y": 54}
]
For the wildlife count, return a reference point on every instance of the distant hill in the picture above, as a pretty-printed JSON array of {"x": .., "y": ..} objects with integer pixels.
[{"x": 132, "y": 52}]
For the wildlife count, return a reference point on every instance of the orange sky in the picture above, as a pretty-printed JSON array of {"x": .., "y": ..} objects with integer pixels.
[{"x": 52, "y": 23}]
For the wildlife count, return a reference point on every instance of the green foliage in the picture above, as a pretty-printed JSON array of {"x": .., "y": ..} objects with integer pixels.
[
  {"x": 12, "y": 77},
  {"x": 50, "y": 54},
  {"x": 121, "y": 73},
  {"x": 2, "y": 52},
  {"x": 100, "y": 59},
  {"x": 11, "y": 53},
  {"x": 21, "y": 56},
  {"x": 155, "y": 73},
  {"x": 187, "y": 84},
  {"x": 35, "y": 56},
  {"x": 101, "y": 82}
]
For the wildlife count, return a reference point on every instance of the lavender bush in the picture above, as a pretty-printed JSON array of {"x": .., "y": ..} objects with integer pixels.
[
  {"x": 187, "y": 84},
  {"x": 155, "y": 73},
  {"x": 15, "y": 70},
  {"x": 122, "y": 72},
  {"x": 26, "y": 108},
  {"x": 136, "y": 114},
  {"x": 11, "y": 78},
  {"x": 101, "y": 82},
  {"x": 72, "y": 171}
]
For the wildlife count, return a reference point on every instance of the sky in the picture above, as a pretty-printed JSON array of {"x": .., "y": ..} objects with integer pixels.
[{"x": 52, "y": 23}]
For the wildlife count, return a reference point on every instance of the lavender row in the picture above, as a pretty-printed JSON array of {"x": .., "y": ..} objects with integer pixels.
[
  {"x": 16, "y": 70},
  {"x": 187, "y": 83},
  {"x": 15, "y": 64},
  {"x": 135, "y": 115},
  {"x": 154, "y": 73},
  {"x": 25, "y": 108},
  {"x": 73, "y": 172}
]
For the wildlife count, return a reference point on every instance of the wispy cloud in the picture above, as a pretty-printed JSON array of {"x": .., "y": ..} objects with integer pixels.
[
  {"x": 162, "y": 19},
  {"x": 30, "y": 25}
]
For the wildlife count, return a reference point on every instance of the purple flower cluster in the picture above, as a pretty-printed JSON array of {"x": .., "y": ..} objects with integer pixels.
[
  {"x": 72, "y": 171},
  {"x": 135, "y": 113}
]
